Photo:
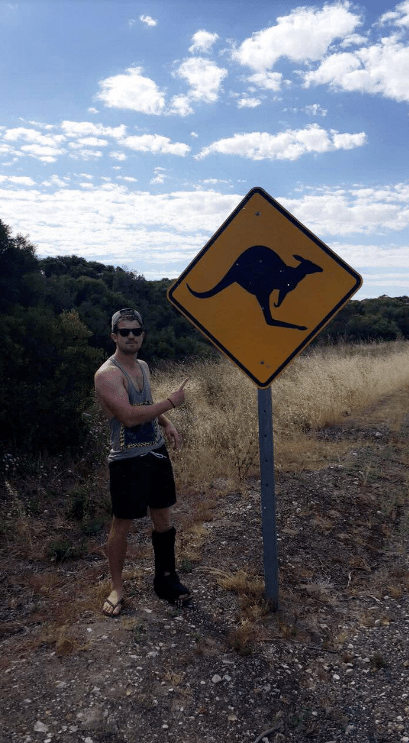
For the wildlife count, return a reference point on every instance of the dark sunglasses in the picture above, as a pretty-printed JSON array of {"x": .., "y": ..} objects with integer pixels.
[{"x": 125, "y": 332}]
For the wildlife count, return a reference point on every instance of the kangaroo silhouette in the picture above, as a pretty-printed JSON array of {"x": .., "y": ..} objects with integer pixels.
[{"x": 259, "y": 270}]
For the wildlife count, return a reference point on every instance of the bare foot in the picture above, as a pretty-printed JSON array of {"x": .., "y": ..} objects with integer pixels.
[{"x": 113, "y": 604}]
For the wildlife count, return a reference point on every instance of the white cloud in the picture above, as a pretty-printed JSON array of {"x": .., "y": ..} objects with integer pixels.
[
  {"x": 247, "y": 102},
  {"x": 89, "y": 129},
  {"x": 158, "y": 179},
  {"x": 345, "y": 141},
  {"x": 203, "y": 41},
  {"x": 174, "y": 226},
  {"x": 148, "y": 20},
  {"x": 398, "y": 17},
  {"x": 155, "y": 144},
  {"x": 92, "y": 110},
  {"x": 375, "y": 256},
  {"x": 353, "y": 40},
  {"x": 89, "y": 142},
  {"x": 180, "y": 104},
  {"x": 288, "y": 145},
  {"x": 304, "y": 34},
  {"x": 361, "y": 210},
  {"x": 266, "y": 80},
  {"x": 17, "y": 180},
  {"x": 204, "y": 77},
  {"x": 83, "y": 154},
  {"x": 56, "y": 181},
  {"x": 381, "y": 68},
  {"x": 118, "y": 155},
  {"x": 31, "y": 135},
  {"x": 41, "y": 152},
  {"x": 315, "y": 110},
  {"x": 44, "y": 147},
  {"x": 215, "y": 181},
  {"x": 132, "y": 90},
  {"x": 167, "y": 230},
  {"x": 47, "y": 127}
]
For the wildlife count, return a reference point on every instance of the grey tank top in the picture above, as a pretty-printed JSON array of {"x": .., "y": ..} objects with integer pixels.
[{"x": 136, "y": 440}]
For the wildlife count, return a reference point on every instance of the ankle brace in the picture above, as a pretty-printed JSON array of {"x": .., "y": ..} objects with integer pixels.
[
  {"x": 164, "y": 548},
  {"x": 168, "y": 586}
]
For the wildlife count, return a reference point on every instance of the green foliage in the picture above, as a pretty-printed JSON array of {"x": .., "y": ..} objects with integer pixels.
[
  {"x": 64, "y": 549},
  {"x": 55, "y": 316},
  {"x": 382, "y": 319},
  {"x": 45, "y": 379}
]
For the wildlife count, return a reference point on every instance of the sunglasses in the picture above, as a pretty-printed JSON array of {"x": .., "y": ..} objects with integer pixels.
[{"x": 125, "y": 332}]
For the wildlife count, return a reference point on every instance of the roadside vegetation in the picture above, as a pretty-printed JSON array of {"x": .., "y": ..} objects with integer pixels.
[
  {"x": 219, "y": 421},
  {"x": 219, "y": 427},
  {"x": 341, "y": 431}
]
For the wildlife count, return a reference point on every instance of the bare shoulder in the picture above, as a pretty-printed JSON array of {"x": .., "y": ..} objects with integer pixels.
[
  {"x": 145, "y": 366},
  {"x": 107, "y": 371}
]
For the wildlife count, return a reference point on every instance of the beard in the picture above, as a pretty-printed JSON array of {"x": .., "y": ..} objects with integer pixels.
[{"x": 131, "y": 349}]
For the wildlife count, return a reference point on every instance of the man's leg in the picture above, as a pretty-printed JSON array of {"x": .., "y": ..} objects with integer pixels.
[
  {"x": 166, "y": 583},
  {"x": 116, "y": 552},
  {"x": 161, "y": 519}
]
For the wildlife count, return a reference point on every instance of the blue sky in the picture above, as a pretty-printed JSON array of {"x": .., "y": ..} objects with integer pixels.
[{"x": 129, "y": 131}]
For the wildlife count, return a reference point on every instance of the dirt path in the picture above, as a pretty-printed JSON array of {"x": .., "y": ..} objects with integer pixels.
[{"x": 331, "y": 665}]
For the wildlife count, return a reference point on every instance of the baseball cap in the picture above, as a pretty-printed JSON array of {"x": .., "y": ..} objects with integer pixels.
[{"x": 127, "y": 313}]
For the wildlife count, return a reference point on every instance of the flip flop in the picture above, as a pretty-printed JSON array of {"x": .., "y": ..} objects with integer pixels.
[{"x": 114, "y": 606}]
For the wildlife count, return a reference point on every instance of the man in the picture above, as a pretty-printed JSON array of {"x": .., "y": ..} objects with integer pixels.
[{"x": 141, "y": 474}]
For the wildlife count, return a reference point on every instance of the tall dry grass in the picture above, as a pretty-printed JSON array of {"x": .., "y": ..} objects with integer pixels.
[{"x": 219, "y": 421}]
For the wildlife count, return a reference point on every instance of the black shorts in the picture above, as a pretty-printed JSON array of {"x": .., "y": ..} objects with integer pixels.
[{"x": 141, "y": 482}]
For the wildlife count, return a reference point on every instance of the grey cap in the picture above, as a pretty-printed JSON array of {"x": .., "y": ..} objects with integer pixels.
[{"x": 127, "y": 313}]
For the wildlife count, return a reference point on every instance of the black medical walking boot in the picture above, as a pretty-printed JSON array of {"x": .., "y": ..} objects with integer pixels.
[{"x": 166, "y": 582}]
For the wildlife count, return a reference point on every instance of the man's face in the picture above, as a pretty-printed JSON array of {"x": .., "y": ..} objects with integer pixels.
[{"x": 129, "y": 343}]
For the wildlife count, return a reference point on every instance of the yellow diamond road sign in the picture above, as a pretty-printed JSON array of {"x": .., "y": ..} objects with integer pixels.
[{"x": 263, "y": 287}]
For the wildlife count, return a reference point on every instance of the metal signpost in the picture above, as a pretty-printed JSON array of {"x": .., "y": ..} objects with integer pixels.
[{"x": 260, "y": 290}]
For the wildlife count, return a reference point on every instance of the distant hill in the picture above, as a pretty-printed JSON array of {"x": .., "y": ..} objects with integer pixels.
[
  {"x": 55, "y": 317},
  {"x": 382, "y": 319}
]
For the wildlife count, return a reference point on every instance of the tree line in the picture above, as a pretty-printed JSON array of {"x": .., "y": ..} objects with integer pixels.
[{"x": 55, "y": 316}]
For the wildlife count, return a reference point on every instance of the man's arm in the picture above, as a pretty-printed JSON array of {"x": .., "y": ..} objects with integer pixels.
[
  {"x": 169, "y": 429},
  {"x": 110, "y": 390}
]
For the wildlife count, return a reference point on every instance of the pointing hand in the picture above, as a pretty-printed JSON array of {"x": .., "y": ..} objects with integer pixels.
[{"x": 178, "y": 396}]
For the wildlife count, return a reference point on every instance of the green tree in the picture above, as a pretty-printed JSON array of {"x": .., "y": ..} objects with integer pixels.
[{"x": 46, "y": 383}]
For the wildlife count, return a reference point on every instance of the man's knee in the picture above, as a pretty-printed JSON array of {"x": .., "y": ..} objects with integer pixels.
[
  {"x": 120, "y": 527},
  {"x": 161, "y": 519}
]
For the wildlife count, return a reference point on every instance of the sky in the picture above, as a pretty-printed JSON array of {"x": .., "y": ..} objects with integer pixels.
[{"x": 129, "y": 131}]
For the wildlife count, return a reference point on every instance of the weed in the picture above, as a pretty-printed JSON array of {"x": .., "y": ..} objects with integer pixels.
[
  {"x": 378, "y": 662},
  {"x": 63, "y": 549},
  {"x": 186, "y": 566},
  {"x": 92, "y": 526},
  {"x": 138, "y": 631},
  {"x": 219, "y": 422},
  {"x": 173, "y": 678},
  {"x": 77, "y": 503},
  {"x": 242, "y": 638},
  {"x": 241, "y": 582}
]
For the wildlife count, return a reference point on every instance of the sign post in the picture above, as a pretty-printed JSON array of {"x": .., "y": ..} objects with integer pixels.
[
  {"x": 260, "y": 290},
  {"x": 268, "y": 502}
]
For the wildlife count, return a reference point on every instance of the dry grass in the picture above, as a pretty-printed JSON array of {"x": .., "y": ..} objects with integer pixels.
[
  {"x": 219, "y": 422},
  {"x": 219, "y": 425}
]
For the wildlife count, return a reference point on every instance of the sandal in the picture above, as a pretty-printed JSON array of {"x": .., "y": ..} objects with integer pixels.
[{"x": 119, "y": 604}]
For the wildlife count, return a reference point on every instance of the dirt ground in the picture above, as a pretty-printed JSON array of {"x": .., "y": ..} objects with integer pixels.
[{"x": 332, "y": 664}]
